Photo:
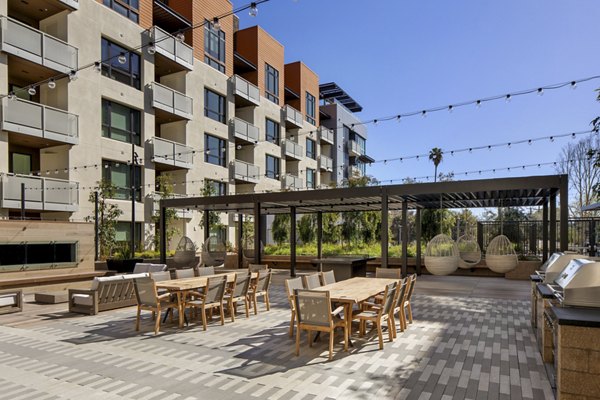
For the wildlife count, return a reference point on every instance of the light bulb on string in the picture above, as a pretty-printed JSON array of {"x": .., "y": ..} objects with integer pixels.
[
  {"x": 11, "y": 95},
  {"x": 73, "y": 75},
  {"x": 552, "y": 138},
  {"x": 529, "y": 142},
  {"x": 31, "y": 91},
  {"x": 375, "y": 122},
  {"x": 478, "y": 103},
  {"x": 122, "y": 58},
  {"x": 507, "y": 98},
  {"x": 540, "y": 91},
  {"x": 450, "y": 108},
  {"x": 398, "y": 118},
  {"x": 216, "y": 24},
  {"x": 424, "y": 113},
  {"x": 573, "y": 85},
  {"x": 151, "y": 48},
  {"x": 97, "y": 66},
  {"x": 180, "y": 36},
  {"x": 51, "y": 83},
  {"x": 253, "y": 10}
]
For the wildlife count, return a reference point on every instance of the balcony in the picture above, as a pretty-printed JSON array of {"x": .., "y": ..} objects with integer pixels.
[
  {"x": 246, "y": 94},
  {"x": 293, "y": 118},
  {"x": 292, "y": 182},
  {"x": 34, "y": 119},
  {"x": 326, "y": 135},
  {"x": 36, "y": 46},
  {"x": 74, "y": 4},
  {"x": 244, "y": 131},
  {"x": 172, "y": 154},
  {"x": 244, "y": 172},
  {"x": 325, "y": 163},
  {"x": 354, "y": 149},
  {"x": 354, "y": 171},
  {"x": 42, "y": 194},
  {"x": 176, "y": 104},
  {"x": 178, "y": 53},
  {"x": 292, "y": 150},
  {"x": 180, "y": 212}
]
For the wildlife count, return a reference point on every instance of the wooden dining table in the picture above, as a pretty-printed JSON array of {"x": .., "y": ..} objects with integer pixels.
[
  {"x": 354, "y": 291},
  {"x": 182, "y": 286}
]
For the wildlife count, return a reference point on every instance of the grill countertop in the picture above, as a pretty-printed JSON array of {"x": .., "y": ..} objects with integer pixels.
[{"x": 587, "y": 317}]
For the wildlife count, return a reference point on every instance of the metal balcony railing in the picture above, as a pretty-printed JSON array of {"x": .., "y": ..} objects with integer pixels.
[
  {"x": 245, "y": 90},
  {"x": 292, "y": 149},
  {"x": 245, "y": 172},
  {"x": 292, "y": 182},
  {"x": 172, "y": 153},
  {"x": 36, "y": 46},
  {"x": 326, "y": 135},
  {"x": 172, "y": 48},
  {"x": 325, "y": 163},
  {"x": 244, "y": 130},
  {"x": 34, "y": 119},
  {"x": 43, "y": 194},
  {"x": 293, "y": 116},
  {"x": 172, "y": 101}
]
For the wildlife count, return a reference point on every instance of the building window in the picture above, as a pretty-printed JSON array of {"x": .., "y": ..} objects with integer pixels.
[
  {"x": 120, "y": 122},
  {"x": 123, "y": 235},
  {"x": 215, "y": 150},
  {"x": 119, "y": 175},
  {"x": 310, "y": 178},
  {"x": 214, "y": 106},
  {"x": 214, "y": 47},
  {"x": 20, "y": 163},
  {"x": 128, "y": 72},
  {"x": 45, "y": 254},
  {"x": 272, "y": 131},
  {"x": 127, "y": 8},
  {"x": 271, "y": 84},
  {"x": 272, "y": 167},
  {"x": 310, "y": 109},
  {"x": 311, "y": 151},
  {"x": 215, "y": 188}
]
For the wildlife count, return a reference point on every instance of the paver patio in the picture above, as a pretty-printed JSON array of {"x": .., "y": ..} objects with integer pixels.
[{"x": 471, "y": 339}]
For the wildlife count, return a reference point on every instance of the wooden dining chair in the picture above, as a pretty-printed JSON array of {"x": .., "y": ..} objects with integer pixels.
[
  {"x": 327, "y": 277},
  {"x": 377, "y": 314},
  {"x": 412, "y": 280},
  {"x": 184, "y": 273},
  {"x": 290, "y": 286},
  {"x": 261, "y": 288},
  {"x": 148, "y": 299},
  {"x": 257, "y": 267},
  {"x": 390, "y": 273},
  {"x": 313, "y": 309},
  {"x": 398, "y": 307},
  {"x": 204, "y": 271},
  {"x": 238, "y": 293},
  {"x": 311, "y": 281},
  {"x": 210, "y": 298}
]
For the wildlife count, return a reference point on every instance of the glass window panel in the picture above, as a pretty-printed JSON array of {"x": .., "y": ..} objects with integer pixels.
[{"x": 21, "y": 163}]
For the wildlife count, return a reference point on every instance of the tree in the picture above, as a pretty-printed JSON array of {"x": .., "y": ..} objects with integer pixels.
[
  {"x": 360, "y": 225},
  {"x": 430, "y": 222},
  {"x": 108, "y": 215},
  {"x": 436, "y": 155},
  {"x": 214, "y": 220},
  {"x": 584, "y": 176},
  {"x": 307, "y": 228},
  {"x": 164, "y": 187},
  {"x": 332, "y": 232},
  {"x": 281, "y": 228}
]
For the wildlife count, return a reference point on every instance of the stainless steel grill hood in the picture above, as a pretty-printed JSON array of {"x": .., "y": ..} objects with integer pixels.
[
  {"x": 552, "y": 268},
  {"x": 579, "y": 284}
]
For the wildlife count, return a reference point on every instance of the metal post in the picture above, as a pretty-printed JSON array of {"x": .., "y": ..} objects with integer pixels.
[
  {"x": 545, "y": 230},
  {"x": 384, "y": 230},
  {"x": 132, "y": 174},
  {"x": 206, "y": 225},
  {"x": 240, "y": 233},
  {"x": 418, "y": 235},
  {"x": 480, "y": 235},
  {"x": 22, "y": 201},
  {"x": 592, "y": 238},
  {"x": 96, "y": 233},
  {"x": 404, "y": 238},
  {"x": 320, "y": 237},
  {"x": 564, "y": 214},
  {"x": 553, "y": 223},
  {"x": 163, "y": 233},
  {"x": 292, "y": 242},
  {"x": 257, "y": 224}
]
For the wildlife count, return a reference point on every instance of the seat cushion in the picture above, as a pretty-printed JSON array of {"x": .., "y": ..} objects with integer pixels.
[
  {"x": 83, "y": 299},
  {"x": 7, "y": 300}
]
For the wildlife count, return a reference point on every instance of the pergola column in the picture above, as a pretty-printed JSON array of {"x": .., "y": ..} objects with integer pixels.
[
  {"x": 320, "y": 238},
  {"x": 384, "y": 229},
  {"x": 552, "y": 223},
  {"x": 206, "y": 224},
  {"x": 404, "y": 237},
  {"x": 564, "y": 215},
  {"x": 257, "y": 219},
  {"x": 240, "y": 232},
  {"x": 163, "y": 234},
  {"x": 293, "y": 241},
  {"x": 418, "y": 234},
  {"x": 545, "y": 230}
]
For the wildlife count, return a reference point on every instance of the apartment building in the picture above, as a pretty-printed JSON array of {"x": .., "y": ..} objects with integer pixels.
[{"x": 177, "y": 93}]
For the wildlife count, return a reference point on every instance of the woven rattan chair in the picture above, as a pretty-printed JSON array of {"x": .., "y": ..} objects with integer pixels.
[
  {"x": 204, "y": 271},
  {"x": 412, "y": 279},
  {"x": 149, "y": 299},
  {"x": 211, "y": 297},
  {"x": 377, "y": 314},
  {"x": 239, "y": 293},
  {"x": 261, "y": 288},
  {"x": 311, "y": 281},
  {"x": 390, "y": 273},
  {"x": 313, "y": 309},
  {"x": 327, "y": 277},
  {"x": 290, "y": 286}
]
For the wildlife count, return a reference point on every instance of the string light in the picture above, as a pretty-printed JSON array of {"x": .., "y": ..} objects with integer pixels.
[
  {"x": 51, "y": 83},
  {"x": 122, "y": 59},
  {"x": 253, "y": 10},
  {"x": 151, "y": 48},
  {"x": 216, "y": 24},
  {"x": 31, "y": 91}
]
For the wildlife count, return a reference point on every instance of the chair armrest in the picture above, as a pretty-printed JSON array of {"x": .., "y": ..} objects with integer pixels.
[
  {"x": 337, "y": 310},
  {"x": 164, "y": 296},
  {"x": 194, "y": 293},
  {"x": 80, "y": 291}
]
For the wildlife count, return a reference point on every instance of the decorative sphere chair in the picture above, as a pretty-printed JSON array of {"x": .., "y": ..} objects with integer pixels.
[
  {"x": 213, "y": 252},
  {"x": 441, "y": 255},
  {"x": 500, "y": 256},
  {"x": 185, "y": 254},
  {"x": 469, "y": 253}
]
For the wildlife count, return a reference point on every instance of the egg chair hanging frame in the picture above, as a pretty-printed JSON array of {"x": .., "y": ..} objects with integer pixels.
[
  {"x": 469, "y": 252},
  {"x": 441, "y": 253},
  {"x": 213, "y": 252},
  {"x": 500, "y": 254}
]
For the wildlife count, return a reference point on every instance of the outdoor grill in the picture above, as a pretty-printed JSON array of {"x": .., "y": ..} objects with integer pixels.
[
  {"x": 552, "y": 268},
  {"x": 578, "y": 284}
]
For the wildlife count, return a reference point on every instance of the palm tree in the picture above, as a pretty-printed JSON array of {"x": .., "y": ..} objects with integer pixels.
[{"x": 436, "y": 155}]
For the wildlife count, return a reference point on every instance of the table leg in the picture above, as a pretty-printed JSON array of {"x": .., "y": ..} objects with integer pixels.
[
  {"x": 180, "y": 308},
  {"x": 348, "y": 317}
]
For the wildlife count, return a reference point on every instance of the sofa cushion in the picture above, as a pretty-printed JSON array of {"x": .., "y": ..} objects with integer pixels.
[
  {"x": 148, "y": 267},
  {"x": 83, "y": 299},
  {"x": 8, "y": 300},
  {"x": 135, "y": 276}
]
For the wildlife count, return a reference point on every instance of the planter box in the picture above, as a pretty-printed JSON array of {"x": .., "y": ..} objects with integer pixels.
[{"x": 123, "y": 266}]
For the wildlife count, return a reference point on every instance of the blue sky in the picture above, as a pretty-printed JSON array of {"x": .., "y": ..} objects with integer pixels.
[{"x": 403, "y": 56}]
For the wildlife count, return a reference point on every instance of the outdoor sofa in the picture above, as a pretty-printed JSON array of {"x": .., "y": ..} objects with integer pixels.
[{"x": 11, "y": 301}]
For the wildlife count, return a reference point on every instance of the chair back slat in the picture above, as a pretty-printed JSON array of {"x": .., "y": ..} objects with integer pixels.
[
  {"x": 242, "y": 284},
  {"x": 263, "y": 281},
  {"x": 389, "y": 296},
  {"x": 311, "y": 281},
  {"x": 257, "y": 267},
  {"x": 411, "y": 286},
  {"x": 203, "y": 271},
  {"x": 293, "y": 284},
  {"x": 215, "y": 289},
  {"x": 327, "y": 277},
  {"x": 401, "y": 292},
  {"x": 313, "y": 307},
  {"x": 184, "y": 273},
  {"x": 145, "y": 291},
  {"x": 389, "y": 273}
]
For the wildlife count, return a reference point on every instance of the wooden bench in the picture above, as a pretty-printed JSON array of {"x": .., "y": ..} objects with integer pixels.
[
  {"x": 11, "y": 301},
  {"x": 48, "y": 279},
  {"x": 106, "y": 293}
]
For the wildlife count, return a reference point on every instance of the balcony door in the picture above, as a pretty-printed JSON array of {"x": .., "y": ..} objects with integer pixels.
[{"x": 21, "y": 163}]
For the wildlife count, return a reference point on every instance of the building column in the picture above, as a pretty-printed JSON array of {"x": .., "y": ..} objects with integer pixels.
[
  {"x": 384, "y": 230},
  {"x": 293, "y": 242}
]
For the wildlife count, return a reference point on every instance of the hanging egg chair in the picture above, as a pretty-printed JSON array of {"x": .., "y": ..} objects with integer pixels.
[
  {"x": 469, "y": 253},
  {"x": 214, "y": 251},
  {"x": 500, "y": 255},
  {"x": 441, "y": 255},
  {"x": 185, "y": 254}
]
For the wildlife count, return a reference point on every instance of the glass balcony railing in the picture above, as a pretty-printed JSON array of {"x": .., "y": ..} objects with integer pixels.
[
  {"x": 325, "y": 163},
  {"x": 172, "y": 153},
  {"x": 292, "y": 149},
  {"x": 36, "y": 46},
  {"x": 172, "y": 101},
  {"x": 354, "y": 148},
  {"x": 172, "y": 48},
  {"x": 245, "y": 172},
  {"x": 244, "y": 130},
  {"x": 245, "y": 91},
  {"x": 43, "y": 194},
  {"x": 292, "y": 182},
  {"x": 34, "y": 119},
  {"x": 326, "y": 135},
  {"x": 293, "y": 117}
]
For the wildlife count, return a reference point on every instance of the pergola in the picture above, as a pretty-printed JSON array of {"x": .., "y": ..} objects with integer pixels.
[{"x": 500, "y": 192}]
